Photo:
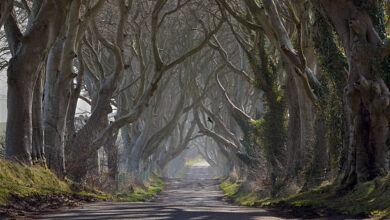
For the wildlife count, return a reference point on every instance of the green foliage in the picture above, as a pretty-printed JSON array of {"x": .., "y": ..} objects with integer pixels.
[
  {"x": 268, "y": 134},
  {"x": 154, "y": 186},
  {"x": 270, "y": 131},
  {"x": 230, "y": 188}
]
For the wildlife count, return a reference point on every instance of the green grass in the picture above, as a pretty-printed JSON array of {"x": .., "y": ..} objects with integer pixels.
[
  {"x": 154, "y": 185},
  {"x": 230, "y": 188},
  {"x": 233, "y": 190},
  {"x": 20, "y": 180},
  {"x": 370, "y": 198},
  {"x": 24, "y": 181}
]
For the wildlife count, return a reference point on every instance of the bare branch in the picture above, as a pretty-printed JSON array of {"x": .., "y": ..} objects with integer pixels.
[
  {"x": 178, "y": 7},
  {"x": 238, "y": 17},
  {"x": 225, "y": 57},
  {"x": 237, "y": 113}
]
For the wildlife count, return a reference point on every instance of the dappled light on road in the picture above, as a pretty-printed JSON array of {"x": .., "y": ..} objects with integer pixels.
[{"x": 195, "y": 198}]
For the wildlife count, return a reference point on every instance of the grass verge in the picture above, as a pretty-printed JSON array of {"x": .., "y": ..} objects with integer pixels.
[
  {"x": 22, "y": 181},
  {"x": 154, "y": 186},
  {"x": 368, "y": 199},
  {"x": 233, "y": 191}
]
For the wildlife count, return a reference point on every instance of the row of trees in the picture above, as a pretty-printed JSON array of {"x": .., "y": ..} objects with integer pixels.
[{"x": 275, "y": 92}]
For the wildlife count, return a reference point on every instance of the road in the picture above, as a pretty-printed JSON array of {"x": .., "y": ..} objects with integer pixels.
[{"x": 192, "y": 198}]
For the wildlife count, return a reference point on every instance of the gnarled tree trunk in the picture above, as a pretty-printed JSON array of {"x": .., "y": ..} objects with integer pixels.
[{"x": 366, "y": 96}]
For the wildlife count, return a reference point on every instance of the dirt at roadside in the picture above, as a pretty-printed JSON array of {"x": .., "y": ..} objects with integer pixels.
[
  {"x": 33, "y": 206},
  {"x": 286, "y": 210}
]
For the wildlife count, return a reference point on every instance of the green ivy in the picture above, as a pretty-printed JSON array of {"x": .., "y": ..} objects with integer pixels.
[
  {"x": 267, "y": 135},
  {"x": 330, "y": 103}
]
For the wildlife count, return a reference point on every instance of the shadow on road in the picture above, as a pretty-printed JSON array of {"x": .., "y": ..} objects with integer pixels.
[{"x": 183, "y": 199}]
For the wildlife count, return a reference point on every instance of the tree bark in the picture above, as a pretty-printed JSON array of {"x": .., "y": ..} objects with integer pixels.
[
  {"x": 366, "y": 96},
  {"x": 55, "y": 110},
  {"x": 5, "y": 10},
  {"x": 31, "y": 49},
  {"x": 112, "y": 157},
  {"x": 38, "y": 153},
  {"x": 293, "y": 136}
]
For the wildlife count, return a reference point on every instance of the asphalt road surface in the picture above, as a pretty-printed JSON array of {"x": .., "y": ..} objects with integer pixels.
[{"x": 195, "y": 197}]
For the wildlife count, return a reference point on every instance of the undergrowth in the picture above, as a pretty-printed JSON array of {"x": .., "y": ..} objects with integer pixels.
[
  {"x": 370, "y": 198},
  {"x": 151, "y": 188}
]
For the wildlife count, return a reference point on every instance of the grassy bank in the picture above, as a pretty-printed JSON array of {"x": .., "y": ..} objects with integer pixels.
[
  {"x": 371, "y": 198},
  {"x": 151, "y": 188},
  {"x": 23, "y": 181},
  {"x": 232, "y": 190}
]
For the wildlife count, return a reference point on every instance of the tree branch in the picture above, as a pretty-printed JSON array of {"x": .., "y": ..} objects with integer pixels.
[
  {"x": 5, "y": 10},
  {"x": 225, "y": 57},
  {"x": 239, "y": 18}
]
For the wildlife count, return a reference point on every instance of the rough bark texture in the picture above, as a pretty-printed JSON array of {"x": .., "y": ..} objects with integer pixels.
[
  {"x": 32, "y": 49},
  {"x": 60, "y": 95},
  {"x": 366, "y": 96}
]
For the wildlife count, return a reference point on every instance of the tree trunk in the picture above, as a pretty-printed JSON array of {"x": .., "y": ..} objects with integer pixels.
[
  {"x": 38, "y": 154},
  {"x": 32, "y": 50},
  {"x": 59, "y": 77},
  {"x": 366, "y": 95},
  {"x": 293, "y": 136},
  {"x": 80, "y": 146},
  {"x": 55, "y": 110},
  {"x": 19, "y": 123},
  {"x": 306, "y": 148},
  {"x": 111, "y": 150}
]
